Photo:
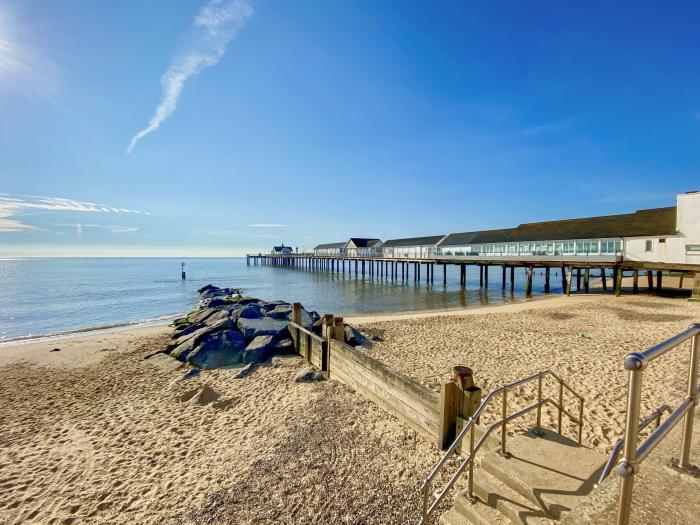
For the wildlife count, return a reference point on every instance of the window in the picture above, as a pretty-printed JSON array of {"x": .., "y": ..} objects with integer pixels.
[{"x": 648, "y": 245}]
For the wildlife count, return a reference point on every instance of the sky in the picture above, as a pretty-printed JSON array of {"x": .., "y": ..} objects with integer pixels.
[{"x": 223, "y": 127}]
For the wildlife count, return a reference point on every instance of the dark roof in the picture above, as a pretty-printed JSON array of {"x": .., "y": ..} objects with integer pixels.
[
  {"x": 657, "y": 221},
  {"x": 460, "y": 239},
  {"x": 361, "y": 242},
  {"x": 330, "y": 246},
  {"x": 414, "y": 241}
]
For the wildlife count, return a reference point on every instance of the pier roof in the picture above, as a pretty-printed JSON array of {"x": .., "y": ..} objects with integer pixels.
[
  {"x": 657, "y": 221},
  {"x": 330, "y": 246},
  {"x": 414, "y": 241},
  {"x": 361, "y": 242},
  {"x": 478, "y": 237}
]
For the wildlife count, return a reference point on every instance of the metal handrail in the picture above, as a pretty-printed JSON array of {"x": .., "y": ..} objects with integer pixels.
[
  {"x": 655, "y": 415},
  {"x": 427, "y": 509},
  {"x": 635, "y": 363}
]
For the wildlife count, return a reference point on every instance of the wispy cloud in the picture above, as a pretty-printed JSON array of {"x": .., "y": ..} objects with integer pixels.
[
  {"x": 14, "y": 206},
  {"x": 114, "y": 228},
  {"x": 214, "y": 27},
  {"x": 265, "y": 225}
]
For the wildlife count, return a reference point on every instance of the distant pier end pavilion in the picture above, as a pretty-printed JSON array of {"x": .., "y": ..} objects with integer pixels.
[{"x": 653, "y": 240}]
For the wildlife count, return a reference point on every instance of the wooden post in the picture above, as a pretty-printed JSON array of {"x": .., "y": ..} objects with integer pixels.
[
  {"x": 618, "y": 283},
  {"x": 503, "y": 277},
  {"x": 486, "y": 276},
  {"x": 680, "y": 280},
  {"x": 296, "y": 313},
  {"x": 481, "y": 276},
  {"x": 512, "y": 278},
  {"x": 563, "y": 280},
  {"x": 586, "y": 278},
  {"x": 327, "y": 331},
  {"x": 449, "y": 407},
  {"x": 578, "y": 279},
  {"x": 444, "y": 273},
  {"x": 528, "y": 284},
  {"x": 546, "y": 279},
  {"x": 695, "y": 296},
  {"x": 635, "y": 281},
  {"x": 603, "y": 279},
  {"x": 338, "y": 329},
  {"x": 650, "y": 281},
  {"x": 568, "y": 279},
  {"x": 658, "y": 280}
]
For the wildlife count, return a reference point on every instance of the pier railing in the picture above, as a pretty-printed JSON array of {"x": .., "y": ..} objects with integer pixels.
[
  {"x": 469, "y": 429},
  {"x": 633, "y": 456}
]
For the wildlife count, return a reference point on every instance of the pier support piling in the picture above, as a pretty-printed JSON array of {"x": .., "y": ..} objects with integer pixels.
[
  {"x": 546, "y": 279},
  {"x": 528, "y": 284}
]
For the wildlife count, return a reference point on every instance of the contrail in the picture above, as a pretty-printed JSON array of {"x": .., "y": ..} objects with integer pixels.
[{"x": 214, "y": 27}]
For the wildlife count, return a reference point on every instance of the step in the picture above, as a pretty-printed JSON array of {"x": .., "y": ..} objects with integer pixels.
[
  {"x": 454, "y": 517},
  {"x": 516, "y": 508},
  {"x": 551, "y": 471},
  {"x": 477, "y": 512}
]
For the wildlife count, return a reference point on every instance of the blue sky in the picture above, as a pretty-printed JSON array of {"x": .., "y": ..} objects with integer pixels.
[{"x": 307, "y": 122}]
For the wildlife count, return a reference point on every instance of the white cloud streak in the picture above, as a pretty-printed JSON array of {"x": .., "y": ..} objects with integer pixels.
[
  {"x": 13, "y": 206},
  {"x": 214, "y": 27},
  {"x": 264, "y": 225}
]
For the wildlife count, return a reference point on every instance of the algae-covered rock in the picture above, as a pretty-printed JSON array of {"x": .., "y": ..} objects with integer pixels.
[{"x": 259, "y": 349}]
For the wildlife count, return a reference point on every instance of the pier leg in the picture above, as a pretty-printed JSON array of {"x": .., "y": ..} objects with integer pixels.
[
  {"x": 462, "y": 275},
  {"x": 578, "y": 279},
  {"x": 604, "y": 278},
  {"x": 658, "y": 280},
  {"x": 546, "y": 279},
  {"x": 481, "y": 276},
  {"x": 568, "y": 279},
  {"x": 635, "y": 281},
  {"x": 512, "y": 278},
  {"x": 680, "y": 281},
  {"x": 586, "y": 279},
  {"x": 650, "y": 281},
  {"x": 444, "y": 273},
  {"x": 695, "y": 296},
  {"x": 503, "y": 277},
  {"x": 486, "y": 276},
  {"x": 563, "y": 279},
  {"x": 528, "y": 284},
  {"x": 618, "y": 283}
]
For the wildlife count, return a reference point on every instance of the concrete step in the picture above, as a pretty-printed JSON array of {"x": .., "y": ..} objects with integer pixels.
[
  {"x": 454, "y": 517},
  {"x": 477, "y": 512},
  {"x": 551, "y": 471},
  {"x": 516, "y": 508}
]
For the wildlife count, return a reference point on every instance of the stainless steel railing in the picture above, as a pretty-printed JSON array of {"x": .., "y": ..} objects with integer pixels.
[
  {"x": 427, "y": 507},
  {"x": 654, "y": 416},
  {"x": 632, "y": 455}
]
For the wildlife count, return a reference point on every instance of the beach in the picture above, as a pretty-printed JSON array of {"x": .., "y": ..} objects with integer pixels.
[{"x": 95, "y": 433}]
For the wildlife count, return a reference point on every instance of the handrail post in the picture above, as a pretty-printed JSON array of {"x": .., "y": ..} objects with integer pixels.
[
  {"x": 504, "y": 415},
  {"x": 684, "y": 460},
  {"x": 628, "y": 466},
  {"x": 561, "y": 405},
  {"x": 426, "y": 491},
  {"x": 538, "y": 427},
  {"x": 471, "y": 463}
]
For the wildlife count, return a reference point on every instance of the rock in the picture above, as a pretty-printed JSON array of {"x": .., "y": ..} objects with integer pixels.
[
  {"x": 287, "y": 360},
  {"x": 271, "y": 305},
  {"x": 181, "y": 351},
  {"x": 218, "y": 350},
  {"x": 196, "y": 336},
  {"x": 199, "y": 316},
  {"x": 376, "y": 338},
  {"x": 317, "y": 327},
  {"x": 214, "y": 302},
  {"x": 259, "y": 349},
  {"x": 354, "y": 337},
  {"x": 251, "y": 311},
  {"x": 251, "y": 328},
  {"x": 218, "y": 316},
  {"x": 245, "y": 371},
  {"x": 283, "y": 311},
  {"x": 191, "y": 328},
  {"x": 180, "y": 323},
  {"x": 284, "y": 346},
  {"x": 308, "y": 374}
]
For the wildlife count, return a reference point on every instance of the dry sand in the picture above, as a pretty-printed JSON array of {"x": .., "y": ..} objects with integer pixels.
[
  {"x": 583, "y": 339},
  {"x": 96, "y": 434}
]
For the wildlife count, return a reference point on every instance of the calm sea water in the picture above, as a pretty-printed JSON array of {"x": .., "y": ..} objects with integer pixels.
[{"x": 40, "y": 296}]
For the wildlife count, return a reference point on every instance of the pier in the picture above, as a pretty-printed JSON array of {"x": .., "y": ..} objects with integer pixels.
[{"x": 574, "y": 274}]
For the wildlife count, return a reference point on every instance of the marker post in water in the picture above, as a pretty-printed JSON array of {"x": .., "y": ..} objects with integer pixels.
[{"x": 182, "y": 265}]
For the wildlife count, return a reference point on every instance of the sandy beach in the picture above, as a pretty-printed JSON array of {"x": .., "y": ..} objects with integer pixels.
[{"x": 93, "y": 433}]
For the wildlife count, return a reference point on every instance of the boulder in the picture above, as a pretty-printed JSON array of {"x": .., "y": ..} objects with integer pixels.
[
  {"x": 284, "y": 346},
  {"x": 218, "y": 350},
  {"x": 251, "y": 311},
  {"x": 218, "y": 316},
  {"x": 354, "y": 337},
  {"x": 283, "y": 311},
  {"x": 317, "y": 327},
  {"x": 181, "y": 351},
  {"x": 196, "y": 336},
  {"x": 199, "y": 316},
  {"x": 191, "y": 328},
  {"x": 259, "y": 349},
  {"x": 252, "y": 328}
]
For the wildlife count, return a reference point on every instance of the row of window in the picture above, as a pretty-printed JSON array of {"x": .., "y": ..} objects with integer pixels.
[{"x": 584, "y": 247}]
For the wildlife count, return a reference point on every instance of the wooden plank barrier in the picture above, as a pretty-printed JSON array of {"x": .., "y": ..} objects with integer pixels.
[{"x": 394, "y": 392}]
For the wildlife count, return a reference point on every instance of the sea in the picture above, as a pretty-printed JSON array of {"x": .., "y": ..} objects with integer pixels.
[{"x": 53, "y": 296}]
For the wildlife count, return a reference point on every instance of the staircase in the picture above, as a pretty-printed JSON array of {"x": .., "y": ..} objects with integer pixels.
[{"x": 543, "y": 477}]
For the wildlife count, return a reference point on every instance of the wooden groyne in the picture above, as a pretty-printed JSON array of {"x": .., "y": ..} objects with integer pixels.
[{"x": 572, "y": 272}]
